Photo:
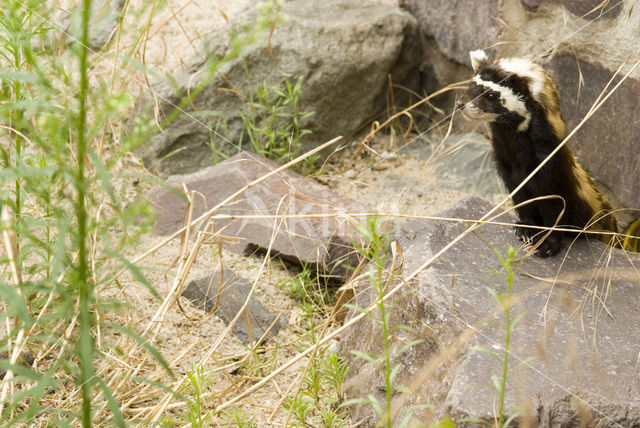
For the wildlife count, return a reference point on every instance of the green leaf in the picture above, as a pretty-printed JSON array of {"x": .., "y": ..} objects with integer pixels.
[
  {"x": 357, "y": 308},
  {"x": 510, "y": 419},
  {"x": 135, "y": 270},
  {"x": 497, "y": 385},
  {"x": 364, "y": 356},
  {"x": 375, "y": 404},
  {"x": 114, "y": 406},
  {"x": 486, "y": 351},
  {"x": 143, "y": 343},
  {"x": 409, "y": 345},
  {"x": 444, "y": 423},
  {"x": 16, "y": 302},
  {"x": 394, "y": 372},
  {"x": 103, "y": 175}
]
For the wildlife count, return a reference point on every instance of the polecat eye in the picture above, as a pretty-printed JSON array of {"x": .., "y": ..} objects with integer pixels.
[{"x": 491, "y": 96}]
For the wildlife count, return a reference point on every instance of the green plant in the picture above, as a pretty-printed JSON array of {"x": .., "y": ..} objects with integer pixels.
[
  {"x": 273, "y": 121},
  {"x": 503, "y": 296},
  {"x": 238, "y": 418},
  {"x": 321, "y": 391},
  {"x": 193, "y": 393},
  {"x": 375, "y": 253},
  {"x": 52, "y": 184},
  {"x": 259, "y": 365},
  {"x": 307, "y": 287},
  {"x": 335, "y": 370},
  {"x": 65, "y": 227}
]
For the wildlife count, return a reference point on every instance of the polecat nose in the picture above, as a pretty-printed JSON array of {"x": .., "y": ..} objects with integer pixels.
[{"x": 460, "y": 105}]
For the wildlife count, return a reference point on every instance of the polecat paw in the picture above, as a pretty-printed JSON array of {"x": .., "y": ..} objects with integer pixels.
[
  {"x": 548, "y": 247},
  {"x": 526, "y": 234}
]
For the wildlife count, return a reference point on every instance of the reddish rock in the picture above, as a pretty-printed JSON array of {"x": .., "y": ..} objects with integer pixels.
[
  {"x": 322, "y": 242},
  {"x": 607, "y": 144}
]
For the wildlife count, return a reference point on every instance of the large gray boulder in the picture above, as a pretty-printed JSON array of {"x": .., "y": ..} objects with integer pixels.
[
  {"x": 457, "y": 26},
  {"x": 607, "y": 144},
  {"x": 344, "y": 50},
  {"x": 577, "y": 341}
]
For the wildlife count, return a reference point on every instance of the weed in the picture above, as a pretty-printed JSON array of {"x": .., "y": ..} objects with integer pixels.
[
  {"x": 334, "y": 370},
  {"x": 64, "y": 225},
  {"x": 198, "y": 383},
  {"x": 238, "y": 418},
  {"x": 258, "y": 365},
  {"x": 321, "y": 390},
  {"x": 375, "y": 252},
  {"x": 499, "y": 382},
  {"x": 273, "y": 122},
  {"x": 307, "y": 287},
  {"x": 53, "y": 184}
]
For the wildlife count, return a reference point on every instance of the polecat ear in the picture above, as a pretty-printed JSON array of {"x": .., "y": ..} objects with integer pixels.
[{"x": 478, "y": 57}]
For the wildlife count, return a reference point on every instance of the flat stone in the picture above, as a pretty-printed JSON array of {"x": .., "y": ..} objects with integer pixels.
[
  {"x": 583, "y": 7},
  {"x": 457, "y": 25},
  {"x": 345, "y": 50},
  {"x": 607, "y": 144},
  {"x": 463, "y": 162},
  {"x": 325, "y": 243},
  {"x": 224, "y": 295},
  {"x": 578, "y": 333}
]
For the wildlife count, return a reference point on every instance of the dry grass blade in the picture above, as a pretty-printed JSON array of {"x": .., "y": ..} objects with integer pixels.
[{"x": 11, "y": 247}]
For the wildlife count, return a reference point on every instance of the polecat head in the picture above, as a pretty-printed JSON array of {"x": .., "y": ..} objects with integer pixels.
[{"x": 511, "y": 91}]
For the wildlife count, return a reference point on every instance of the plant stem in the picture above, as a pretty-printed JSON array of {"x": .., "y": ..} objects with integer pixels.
[
  {"x": 387, "y": 357},
  {"x": 507, "y": 311},
  {"x": 85, "y": 342}
]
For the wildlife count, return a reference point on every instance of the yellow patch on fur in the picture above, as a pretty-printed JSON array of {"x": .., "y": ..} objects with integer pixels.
[
  {"x": 603, "y": 219},
  {"x": 550, "y": 101}
]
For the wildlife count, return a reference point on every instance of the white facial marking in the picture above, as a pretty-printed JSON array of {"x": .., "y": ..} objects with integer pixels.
[
  {"x": 526, "y": 68},
  {"x": 510, "y": 100},
  {"x": 477, "y": 57}
]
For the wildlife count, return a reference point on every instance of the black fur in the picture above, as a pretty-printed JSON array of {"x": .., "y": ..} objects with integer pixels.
[{"x": 518, "y": 153}]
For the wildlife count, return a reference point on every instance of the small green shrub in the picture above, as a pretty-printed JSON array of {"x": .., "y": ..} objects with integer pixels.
[
  {"x": 273, "y": 119},
  {"x": 503, "y": 295},
  {"x": 375, "y": 252}
]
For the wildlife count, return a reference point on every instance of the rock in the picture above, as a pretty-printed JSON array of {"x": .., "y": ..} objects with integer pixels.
[
  {"x": 607, "y": 144},
  {"x": 454, "y": 28},
  {"x": 345, "y": 51},
  {"x": 583, "y": 7},
  {"x": 463, "y": 162},
  {"x": 324, "y": 243},
  {"x": 579, "y": 325},
  {"x": 224, "y": 296}
]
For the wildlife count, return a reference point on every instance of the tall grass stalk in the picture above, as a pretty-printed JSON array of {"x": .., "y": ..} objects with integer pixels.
[
  {"x": 503, "y": 297},
  {"x": 85, "y": 286},
  {"x": 375, "y": 252},
  {"x": 67, "y": 225}
]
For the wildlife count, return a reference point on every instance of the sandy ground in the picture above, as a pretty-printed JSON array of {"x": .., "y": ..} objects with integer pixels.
[{"x": 188, "y": 337}]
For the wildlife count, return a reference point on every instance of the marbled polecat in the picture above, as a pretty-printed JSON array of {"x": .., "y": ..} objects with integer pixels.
[{"x": 520, "y": 102}]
